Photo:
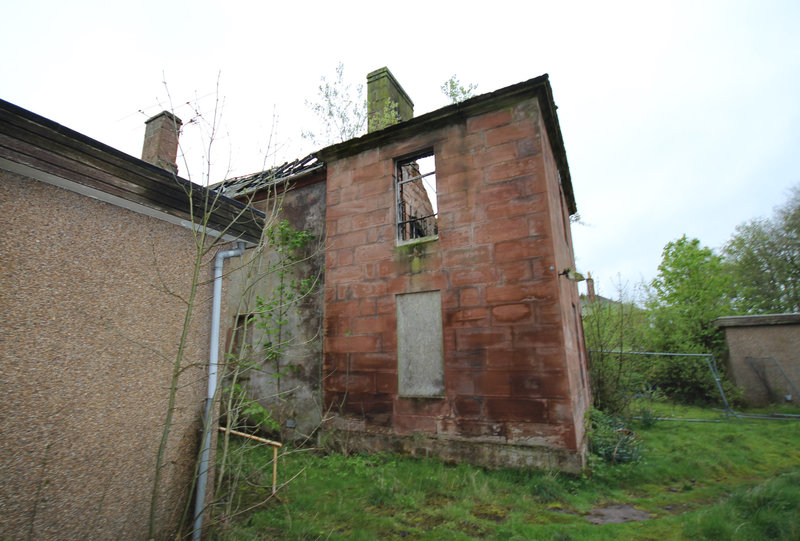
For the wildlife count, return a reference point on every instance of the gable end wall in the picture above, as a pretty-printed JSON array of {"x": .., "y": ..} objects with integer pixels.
[{"x": 509, "y": 345}]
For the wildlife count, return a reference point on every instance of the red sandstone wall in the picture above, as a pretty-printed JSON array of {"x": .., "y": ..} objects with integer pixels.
[
  {"x": 509, "y": 343},
  {"x": 569, "y": 302}
]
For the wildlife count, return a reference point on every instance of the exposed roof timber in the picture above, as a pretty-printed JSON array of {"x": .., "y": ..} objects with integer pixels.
[
  {"x": 538, "y": 87},
  {"x": 289, "y": 171},
  {"x": 38, "y": 144}
]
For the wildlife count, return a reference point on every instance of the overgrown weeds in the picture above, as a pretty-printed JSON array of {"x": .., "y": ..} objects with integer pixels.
[
  {"x": 770, "y": 510},
  {"x": 611, "y": 440},
  {"x": 685, "y": 472}
]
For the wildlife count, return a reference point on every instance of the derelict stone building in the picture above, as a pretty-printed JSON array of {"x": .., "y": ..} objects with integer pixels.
[{"x": 447, "y": 324}]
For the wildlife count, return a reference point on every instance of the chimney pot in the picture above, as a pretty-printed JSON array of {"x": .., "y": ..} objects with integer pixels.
[
  {"x": 161, "y": 140},
  {"x": 590, "y": 287}
]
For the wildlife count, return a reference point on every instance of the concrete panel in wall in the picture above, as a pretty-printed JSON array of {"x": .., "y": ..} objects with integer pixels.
[{"x": 419, "y": 344}]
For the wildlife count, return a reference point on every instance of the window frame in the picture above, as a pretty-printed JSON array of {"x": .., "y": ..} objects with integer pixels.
[{"x": 401, "y": 221}]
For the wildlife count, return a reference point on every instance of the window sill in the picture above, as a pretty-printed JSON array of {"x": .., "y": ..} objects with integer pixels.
[{"x": 420, "y": 240}]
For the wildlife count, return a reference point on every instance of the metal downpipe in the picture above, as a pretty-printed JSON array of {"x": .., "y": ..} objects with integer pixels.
[{"x": 213, "y": 372}]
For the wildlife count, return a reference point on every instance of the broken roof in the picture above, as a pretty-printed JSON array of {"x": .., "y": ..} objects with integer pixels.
[
  {"x": 538, "y": 87},
  {"x": 39, "y": 148},
  {"x": 247, "y": 184}
]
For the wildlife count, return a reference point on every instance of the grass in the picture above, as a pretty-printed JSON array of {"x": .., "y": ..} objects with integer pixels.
[{"x": 726, "y": 480}]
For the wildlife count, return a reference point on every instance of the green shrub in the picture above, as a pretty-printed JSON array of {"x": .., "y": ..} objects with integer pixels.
[
  {"x": 685, "y": 379},
  {"x": 547, "y": 488},
  {"x": 611, "y": 440}
]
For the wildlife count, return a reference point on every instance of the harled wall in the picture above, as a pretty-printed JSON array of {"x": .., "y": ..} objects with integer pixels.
[
  {"x": 763, "y": 356},
  {"x": 88, "y": 337}
]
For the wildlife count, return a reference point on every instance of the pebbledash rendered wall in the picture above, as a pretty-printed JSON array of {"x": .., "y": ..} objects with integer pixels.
[
  {"x": 89, "y": 335},
  {"x": 514, "y": 389},
  {"x": 763, "y": 356}
]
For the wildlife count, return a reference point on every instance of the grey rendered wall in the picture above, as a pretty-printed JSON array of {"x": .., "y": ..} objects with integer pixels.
[
  {"x": 88, "y": 334},
  {"x": 751, "y": 353},
  {"x": 295, "y": 396}
]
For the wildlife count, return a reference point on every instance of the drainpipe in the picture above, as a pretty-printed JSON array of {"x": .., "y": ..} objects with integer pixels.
[{"x": 213, "y": 364}]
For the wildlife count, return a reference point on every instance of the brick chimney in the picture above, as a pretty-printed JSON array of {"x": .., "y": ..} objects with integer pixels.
[
  {"x": 383, "y": 89},
  {"x": 590, "y": 287},
  {"x": 161, "y": 140}
]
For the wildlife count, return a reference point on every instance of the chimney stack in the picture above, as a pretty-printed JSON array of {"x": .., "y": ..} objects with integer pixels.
[
  {"x": 161, "y": 141},
  {"x": 590, "y": 287},
  {"x": 382, "y": 91}
]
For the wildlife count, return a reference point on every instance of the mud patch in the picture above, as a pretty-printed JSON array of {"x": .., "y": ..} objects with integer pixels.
[{"x": 616, "y": 514}]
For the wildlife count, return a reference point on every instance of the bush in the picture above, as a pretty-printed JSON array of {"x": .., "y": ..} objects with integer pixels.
[
  {"x": 685, "y": 379},
  {"x": 688, "y": 380},
  {"x": 611, "y": 440}
]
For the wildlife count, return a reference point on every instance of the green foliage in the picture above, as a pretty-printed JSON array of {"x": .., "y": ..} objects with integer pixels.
[
  {"x": 547, "y": 487},
  {"x": 758, "y": 272},
  {"x": 286, "y": 246},
  {"x": 271, "y": 313},
  {"x": 386, "y": 116},
  {"x": 257, "y": 416},
  {"x": 340, "y": 109},
  {"x": 270, "y": 317},
  {"x": 611, "y": 440},
  {"x": 619, "y": 326},
  {"x": 763, "y": 258},
  {"x": 688, "y": 380},
  {"x": 455, "y": 91},
  {"x": 690, "y": 291}
]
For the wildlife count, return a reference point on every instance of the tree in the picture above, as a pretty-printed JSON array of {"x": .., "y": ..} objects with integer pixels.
[
  {"x": 275, "y": 236},
  {"x": 342, "y": 111},
  {"x": 689, "y": 292},
  {"x": 453, "y": 89},
  {"x": 763, "y": 258},
  {"x": 610, "y": 328}
]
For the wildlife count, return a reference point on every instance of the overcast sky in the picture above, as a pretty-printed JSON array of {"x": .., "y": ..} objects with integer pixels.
[{"x": 678, "y": 117}]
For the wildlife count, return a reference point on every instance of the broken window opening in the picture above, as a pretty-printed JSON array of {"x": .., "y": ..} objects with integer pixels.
[
  {"x": 242, "y": 342},
  {"x": 417, "y": 208}
]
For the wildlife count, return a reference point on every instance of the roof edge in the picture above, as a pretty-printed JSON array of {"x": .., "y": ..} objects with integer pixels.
[
  {"x": 758, "y": 320},
  {"x": 538, "y": 87},
  {"x": 37, "y": 132}
]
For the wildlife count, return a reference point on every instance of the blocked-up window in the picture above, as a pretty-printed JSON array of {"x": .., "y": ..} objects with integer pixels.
[
  {"x": 420, "y": 359},
  {"x": 242, "y": 341},
  {"x": 415, "y": 185}
]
